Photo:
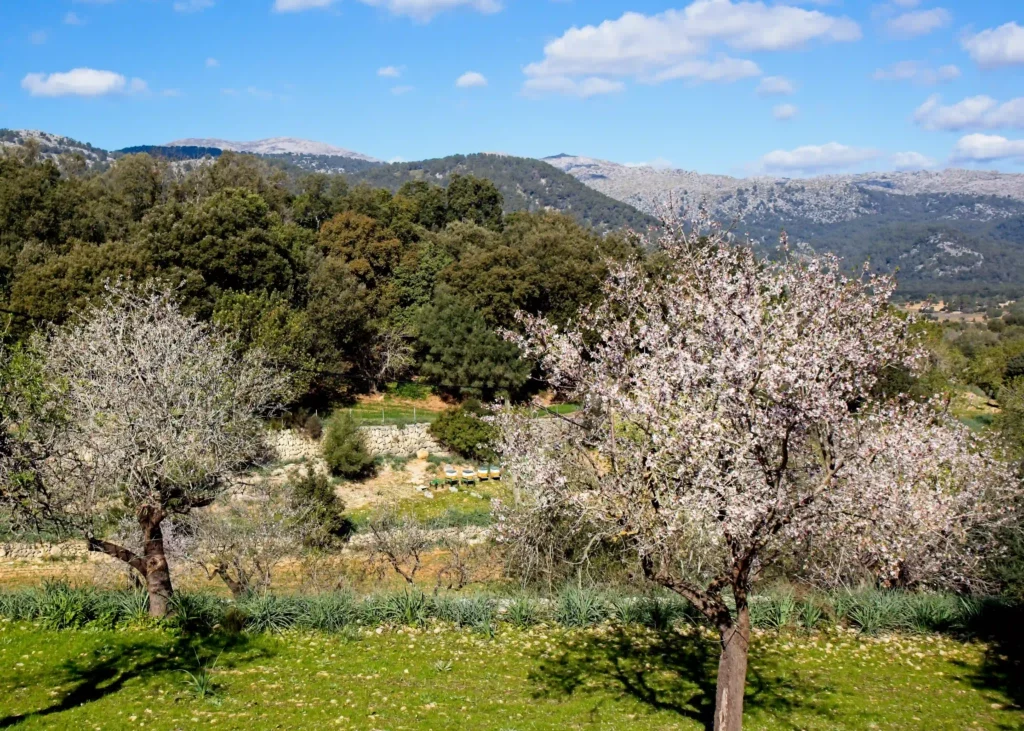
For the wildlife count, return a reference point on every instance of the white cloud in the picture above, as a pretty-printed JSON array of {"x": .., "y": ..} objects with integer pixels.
[
  {"x": 192, "y": 6},
  {"x": 918, "y": 73},
  {"x": 918, "y": 22},
  {"x": 906, "y": 3},
  {"x": 212, "y": 63},
  {"x": 817, "y": 158},
  {"x": 775, "y": 85},
  {"x": 648, "y": 47},
  {"x": 583, "y": 88},
  {"x": 392, "y": 72},
  {"x": 978, "y": 112},
  {"x": 722, "y": 69},
  {"x": 784, "y": 111},
  {"x": 399, "y": 90},
  {"x": 71, "y": 18},
  {"x": 471, "y": 79},
  {"x": 911, "y": 161},
  {"x": 80, "y": 82},
  {"x": 1002, "y": 46},
  {"x": 987, "y": 148},
  {"x": 424, "y": 10},
  {"x": 171, "y": 92},
  {"x": 38, "y": 38},
  {"x": 293, "y": 6}
]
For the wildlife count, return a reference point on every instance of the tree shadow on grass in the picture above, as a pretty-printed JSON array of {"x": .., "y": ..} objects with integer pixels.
[
  {"x": 666, "y": 671},
  {"x": 1001, "y": 626},
  {"x": 104, "y": 671}
]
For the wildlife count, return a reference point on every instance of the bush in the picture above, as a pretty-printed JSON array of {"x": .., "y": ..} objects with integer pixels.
[
  {"x": 344, "y": 448},
  {"x": 463, "y": 431},
  {"x": 323, "y": 512},
  {"x": 314, "y": 427}
]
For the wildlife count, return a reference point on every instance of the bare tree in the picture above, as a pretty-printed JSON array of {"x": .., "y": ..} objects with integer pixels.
[
  {"x": 727, "y": 421},
  {"x": 396, "y": 542},
  {"x": 245, "y": 540},
  {"x": 160, "y": 413}
]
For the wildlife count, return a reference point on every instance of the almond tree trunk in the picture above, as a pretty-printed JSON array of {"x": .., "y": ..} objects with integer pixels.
[
  {"x": 732, "y": 672},
  {"x": 158, "y": 574}
]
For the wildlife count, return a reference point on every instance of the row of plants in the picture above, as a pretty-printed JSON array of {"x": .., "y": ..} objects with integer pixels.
[{"x": 58, "y": 605}]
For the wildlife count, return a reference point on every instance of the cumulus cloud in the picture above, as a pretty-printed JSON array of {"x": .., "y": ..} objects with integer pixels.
[
  {"x": 817, "y": 158},
  {"x": 1002, "y": 46},
  {"x": 583, "y": 88},
  {"x": 977, "y": 112},
  {"x": 392, "y": 72},
  {"x": 38, "y": 38},
  {"x": 987, "y": 148},
  {"x": 722, "y": 69},
  {"x": 192, "y": 6},
  {"x": 911, "y": 161},
  {"x": 783, "y": 112},
  {"x": 471, "y": 79},
  {"x": 80, "y": 82},
  {"x": 775, "y": 86},
  {"x": 918, "y": 73},
  {"x": 212, "y": 63},
  {"x": 72, "y": 18},
  {"x": 918, "y": 22},
  {"x": 648, "y": 47}
]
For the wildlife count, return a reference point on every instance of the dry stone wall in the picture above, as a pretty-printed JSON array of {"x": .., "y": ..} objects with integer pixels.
[{"x": 405, "y": 441}]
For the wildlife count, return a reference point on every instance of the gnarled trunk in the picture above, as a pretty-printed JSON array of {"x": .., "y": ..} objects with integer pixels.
[
  {"x": 732, "y": 672},
  {"x": 157, "y": 573}
]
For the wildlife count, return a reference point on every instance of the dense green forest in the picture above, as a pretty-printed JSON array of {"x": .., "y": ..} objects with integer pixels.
[
  {"x": 351, "y": 286},
  {"x": 525, "y": 185}
]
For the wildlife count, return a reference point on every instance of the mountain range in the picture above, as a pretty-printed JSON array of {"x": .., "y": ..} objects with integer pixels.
[{"x": 948, "y": 232}]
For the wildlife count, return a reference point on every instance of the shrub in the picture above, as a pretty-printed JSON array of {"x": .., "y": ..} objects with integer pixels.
[
  {"x": 329, "y": 612},
  {"x": 463, "y": 431},
  {"x": 269, "y": 612},
  {"x": 314, "y": 427},
  {"x": 580, "y": 608},
  {"x": 344, "y": 448},
  {"x": 323, "y": 512},
  {"x": 522, "y": 611}
]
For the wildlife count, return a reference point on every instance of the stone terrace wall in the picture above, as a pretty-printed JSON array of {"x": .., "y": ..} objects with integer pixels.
[{"x": 406, "y": 441}]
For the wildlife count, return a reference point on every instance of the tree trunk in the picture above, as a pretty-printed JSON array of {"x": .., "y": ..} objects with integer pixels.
[
  {"x": 732, "y": 672},
  {"x": 158, "y": 574},
  {"x": 236, "y": 588}
]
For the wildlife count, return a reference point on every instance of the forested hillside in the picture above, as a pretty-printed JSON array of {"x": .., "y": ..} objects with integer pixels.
[
  {"x": 347, "y": 286},
  {"x": 525, "y": 185}
]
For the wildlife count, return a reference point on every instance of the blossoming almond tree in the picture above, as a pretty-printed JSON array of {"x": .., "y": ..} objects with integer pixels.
[
  {"x": 159, "y": 412},
  {"x": 727, "y": 422}
]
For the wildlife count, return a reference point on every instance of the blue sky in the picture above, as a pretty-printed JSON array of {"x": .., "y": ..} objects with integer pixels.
[{"x": 720, "y": 86}]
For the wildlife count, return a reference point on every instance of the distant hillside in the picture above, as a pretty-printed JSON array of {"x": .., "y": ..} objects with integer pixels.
[
  {"x": 948, "y": 232},
  {"x": 526, "y": 184},
  {"x": 173, "y": 153},
  {"x": 274, "y": 146},
  {"x": 52, "y": 145}
]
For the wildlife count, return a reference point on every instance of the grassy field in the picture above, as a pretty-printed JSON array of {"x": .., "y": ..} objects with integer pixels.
[{"x": 438, "y": 677}]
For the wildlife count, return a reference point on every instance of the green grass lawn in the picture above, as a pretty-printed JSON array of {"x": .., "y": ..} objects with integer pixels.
[
  {"x": 446, "y": 509},
  {"x": 442, "y": 678}
]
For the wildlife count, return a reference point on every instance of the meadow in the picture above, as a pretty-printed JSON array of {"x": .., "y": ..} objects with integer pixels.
[{"x": 440, "y": 676}]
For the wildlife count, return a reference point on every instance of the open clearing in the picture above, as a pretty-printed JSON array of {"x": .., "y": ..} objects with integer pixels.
[{"x": 439, "y": 677}]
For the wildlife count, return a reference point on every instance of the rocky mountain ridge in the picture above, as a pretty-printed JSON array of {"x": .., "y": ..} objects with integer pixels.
[
  {"x": 273, "y": 146},
  {"x": 823, "y": 199}
]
